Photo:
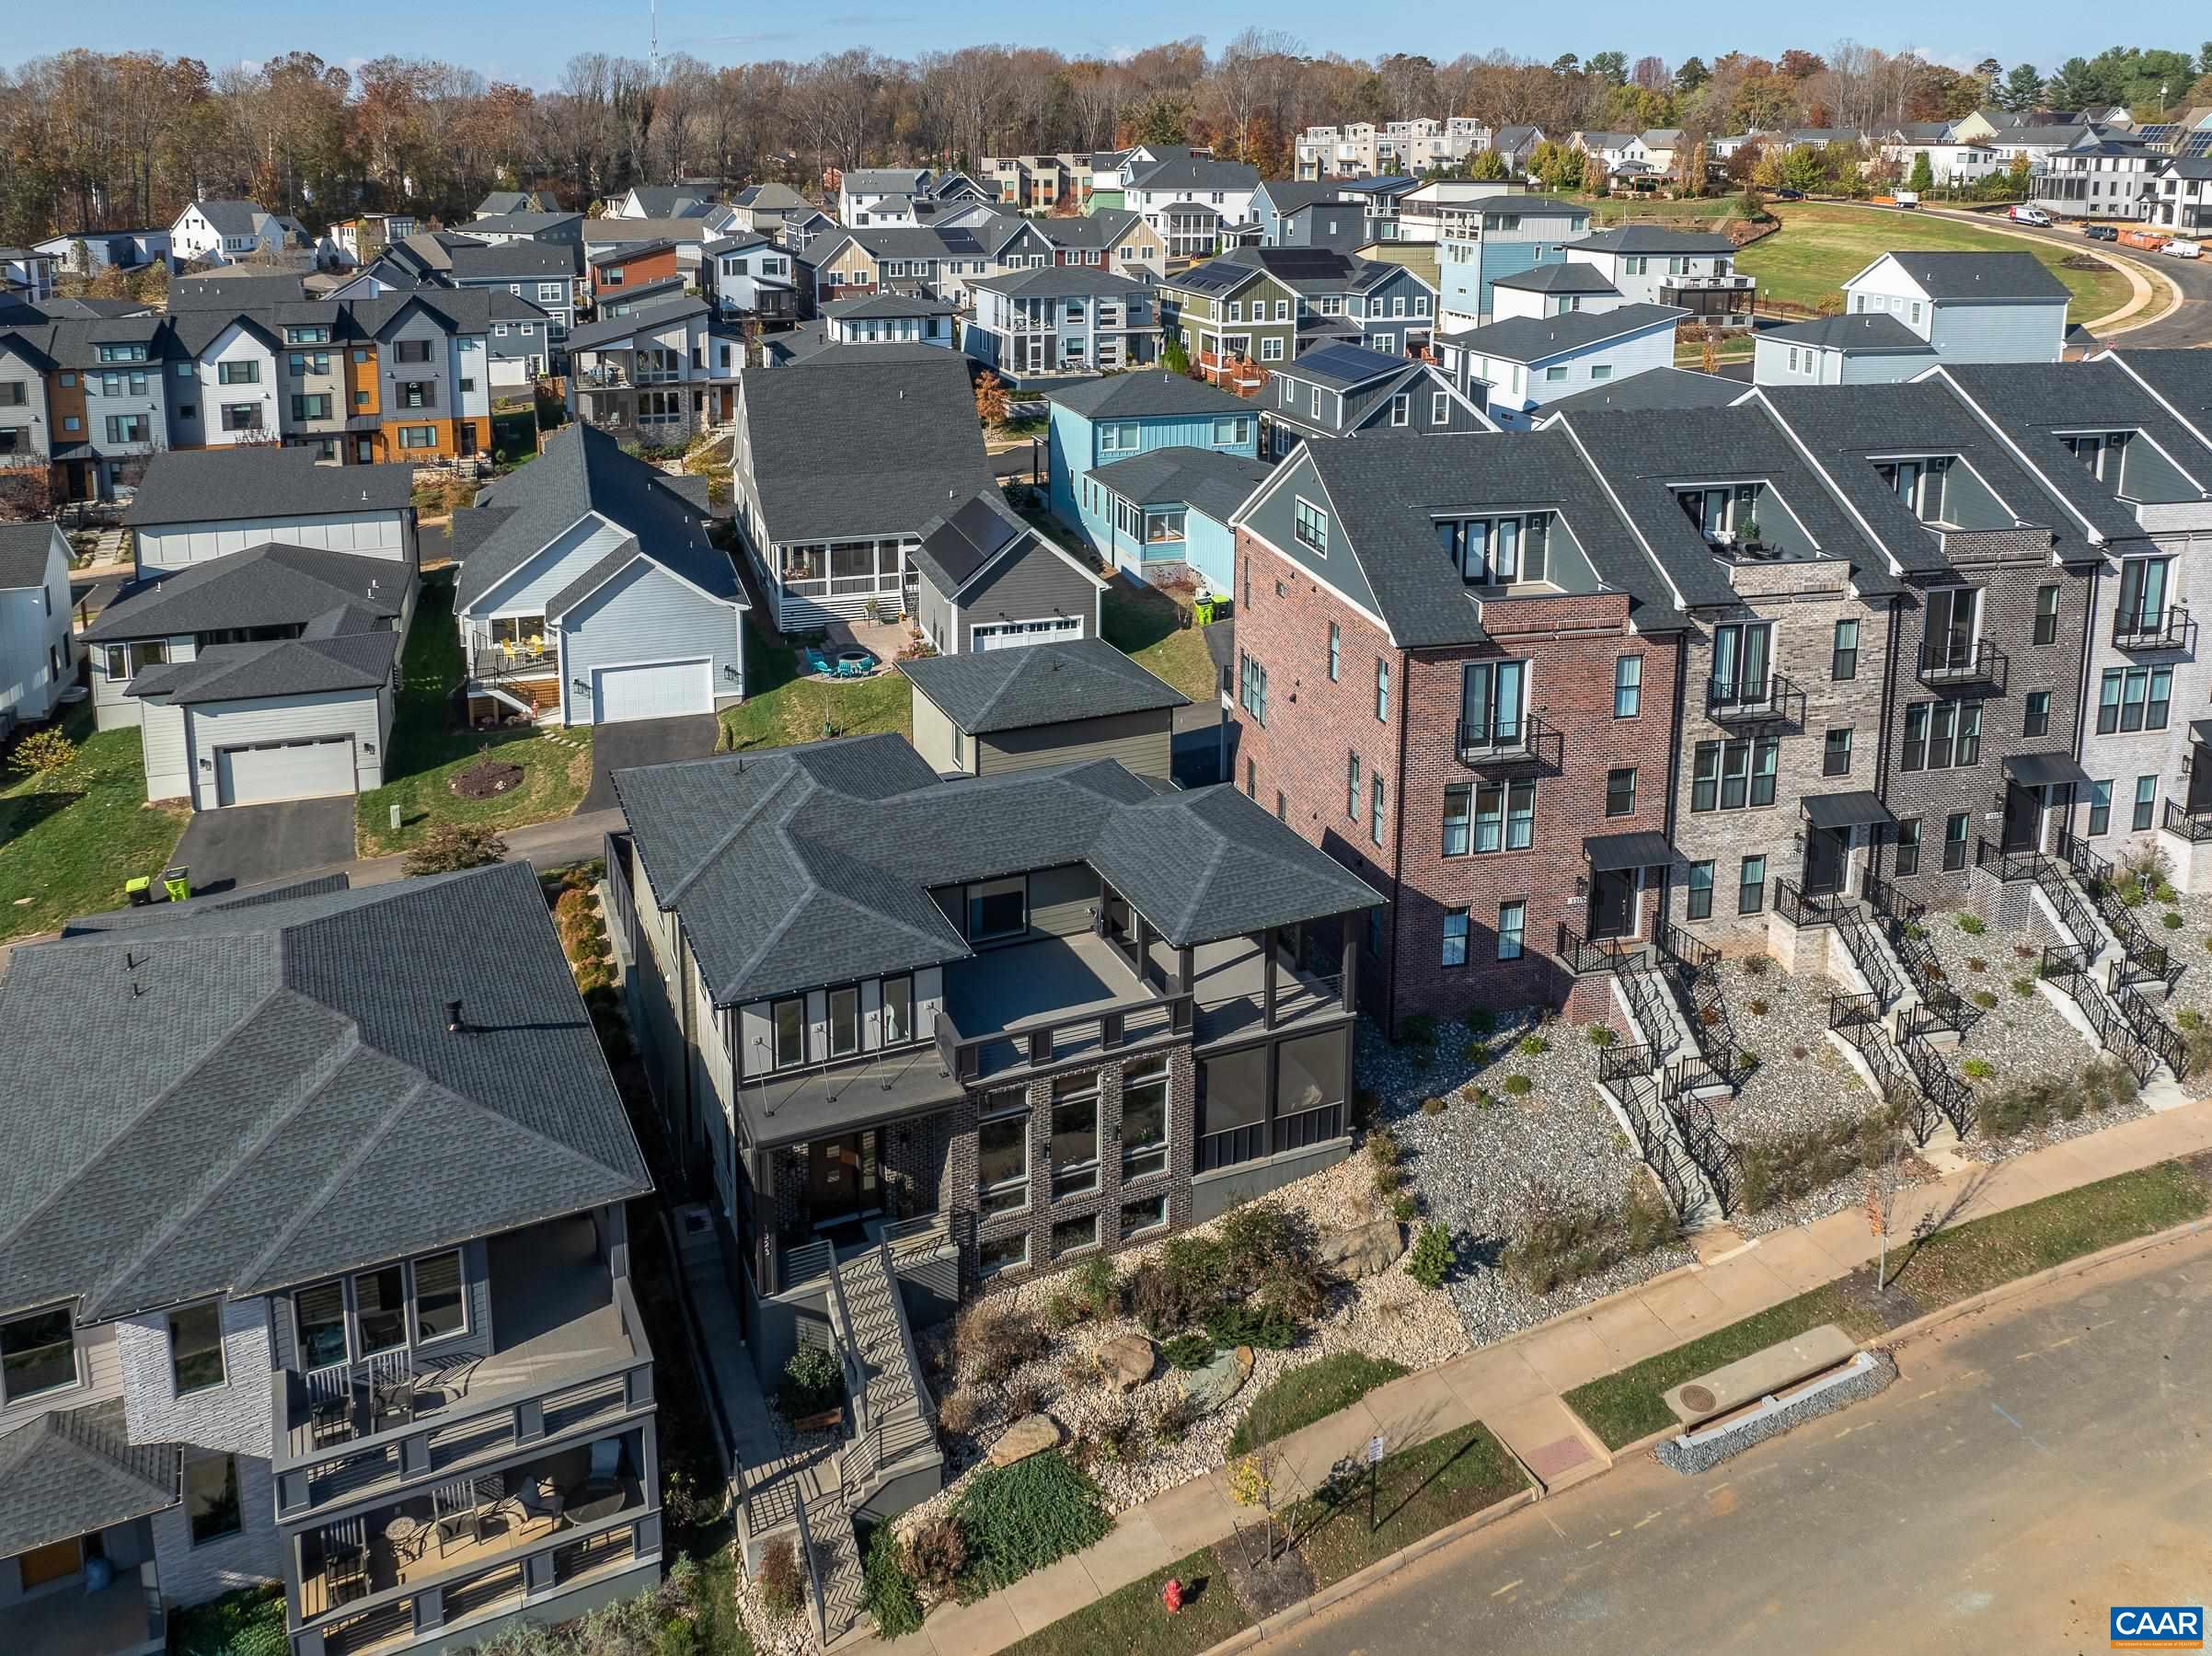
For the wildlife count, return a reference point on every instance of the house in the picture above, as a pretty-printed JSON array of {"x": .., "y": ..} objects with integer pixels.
[
  {"x": 590, "y": 593},
  {"x": 861, "y": 189},
  {"x": 1114, "y": 241},
  {"x": 107, "y": 249},
  {"x": 1868, "y": 348},
  {"x": 2096, "y": 176},
  {"x": 2177, "y": 196},
  {"x": 942, "y": 262},
  {"x": 546, "y": 224},
  {"x": 38, "y": 659},
  {"x": 1342, "y": 390},
  {"x": 1690, "y": 270},
  {"x": 989, "y": 580},
  {"x": 241, "y": 1303},
  {"x": 1654, "y": 391},
  {"x": 748, "y": 275},
  {"x": 1952, "y": 160},
  {"x": 90, "y": 399},
  {"x": 1167, "y": 513},
  {"x": 803, "y": 226},
  {"x": 361, "y": 238},
  {"x": 1037, "y": 183},
  {"x": 195, "y": 506},
  {"x": 1457, "y": 670},
  {"x": 629, "y": 301},
  {"x": 1614, "y": 152},
  {"x": 1061, "y": 320},
  {"x": 664, "y": 201},
  {"x": 1969, "y": 307},
  {"x": 761, "y": 209},
  {"x": 1483, "y": 238},
  {"x": 1243, "y": 314},
  {"x": 221, "y": 232},
  {"x": 842, "y": 459},
  {"x": 256, "y": 675},
  {"x": 1003, "y": 710},
  {"x": 1292, "y": 213},
  {"x": 1112, "y": 171},
  {"x": 1362, "y": 149},
  {"x": 1553, "y": 290},
  {"x": 1124, "y": 415},
  {"x": 501, "y": 202},
  {"x": 31, "y": 269},
  {"x": 1517, "y": 365},
  {"x": 609, "y": 269},
  {"x": 657, "y": 375},
  {"x": 892, "y": 318},
  {"x": 1192, "y": 201},
  {"x": 547, "y": 274},
  {"x": 1515, "y": 146}
]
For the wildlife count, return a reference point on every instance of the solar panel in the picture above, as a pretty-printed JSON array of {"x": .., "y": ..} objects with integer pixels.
[{"x": 1314, "y": 262}]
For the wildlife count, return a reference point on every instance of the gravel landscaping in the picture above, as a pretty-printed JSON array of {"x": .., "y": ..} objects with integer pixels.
[
  {"x": 1471, "y": 1163},
  {"x": 2194, "y": 992},
  {"x": 1786, "y": 1093}
]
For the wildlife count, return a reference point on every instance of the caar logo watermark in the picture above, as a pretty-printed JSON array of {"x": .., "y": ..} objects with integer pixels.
[{"x": 2157, "y": 1627}]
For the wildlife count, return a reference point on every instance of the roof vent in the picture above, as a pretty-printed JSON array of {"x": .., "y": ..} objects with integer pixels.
[{"x": 455, "y": 1023}]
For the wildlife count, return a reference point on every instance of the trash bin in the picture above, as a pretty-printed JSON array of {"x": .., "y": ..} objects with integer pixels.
[
  {"x": 138, "y": 891},
  {"x": 178, "y": 882},
  {"x": 1202, "y": 612}
]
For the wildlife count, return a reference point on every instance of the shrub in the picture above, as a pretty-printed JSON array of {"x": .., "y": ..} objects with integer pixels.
[
  {"x": 449, "y": 847},
  {"x": 1747, "y": 1060},
  {"x": 1023, "y": 1398},
  {"x": 993, "y": 1340},
  {"x": 1263, "y": 1327},
  {"x": 1519, "y": 1084},
  {"x": 1174, "y": 1289},
  {"x": 1758, "y": 1006},
  {"x": 1404, "y": 1208},
  {"x": 2033, "y": 1105},
  {"x": 936, "y": 1554},
  {"x": 2024, "y": 951},
  {"x": 1977, "y": 1069},
  {"x": 40, "y": 751},
  {"x": 1475, "y": 1054},
  {"x": 1021, "y": 1518},
  {"x": 1432, "y": 1106},
  {"x": 1481, "y": 1021},
  {"x": 1386, "y": 1181},
  {"x": 779, "y": 1582},
  {"x": 1098, "y": 1289},
  {"x": 1786, "y": 1166},
  {"x": 1602, "y": 1035},
  {"x": 1114, "y": 1437},
  {"x": 1172, "y": 1419},
  {"x": 2171, "y": 919},
  {"x": 1188, "y": 1351},
  {"x": 1972, "y": 925},
  {"x": 1382, "y": 1148},
  {"x": 1561, "y": 1240},
  {"x": 887, "y": 1590},
  {"x": 1431, "y": 1256},
  {"x": 1535, "y": 1046},
  {"x": 1976, "y": 963},
  {"x": 1985, "y": 1000},
  {"x": 2188, "y": 1018},
  {"x": 812, "y": 1382},
  {"x": 1418, "y": 1030},
  {"x": 1756, "y": 965},
  {"x": 246, "y": 1621},
  {"x": 1915, "y": 931},
  {"x": 1063, "y": 1312}
]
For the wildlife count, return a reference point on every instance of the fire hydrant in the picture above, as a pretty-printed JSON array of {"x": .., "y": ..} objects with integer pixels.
[{"x": 1171, "y": 1596}]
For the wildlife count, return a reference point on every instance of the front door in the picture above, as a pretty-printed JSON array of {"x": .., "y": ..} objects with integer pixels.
[
  {"x": 2023, "y": 818},
  {"x": 2200, "y": 777},
  {"x": 840, "y": 1177},
  {"x": 1827, "y": 850},
  {"x": 1613, "y": 904}
]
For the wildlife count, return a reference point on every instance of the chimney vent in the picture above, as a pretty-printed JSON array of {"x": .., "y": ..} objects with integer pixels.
[{"x": 455, "y": 1023}]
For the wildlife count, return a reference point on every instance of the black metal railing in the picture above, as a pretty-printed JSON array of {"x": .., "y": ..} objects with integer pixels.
[
  {"x": 1774, "y": 697},
  {"x": 2195, "y": 826},
  {"x": 2007, "y": 866},
  {"x": 1711, "y": 1030},
  {"x": 1951, "y": 1097},
  {"x": 1891, "y": 907},
  {"x": 1494, "y": 747},
  {"x": 1708, "y": 1148},
  {"x": 1690, "y": 953},
  {"x": 1946, "y": 666},
  {"x": 1858, "y": 1021},
  {"x": 2143, "y": 1017},
  {"x": 2068, "y": 967},
  {"x": 2151, "y": 630},
  {"x": 1619, "y": 1062},
  {"x": 1800, "y": 909},
  {"x": 1865, "y": 949},
  {"x": 1646, "y": 1005},
  {"x": 1659, "y": 1146},
  {"x": 1585, "y": 955}
]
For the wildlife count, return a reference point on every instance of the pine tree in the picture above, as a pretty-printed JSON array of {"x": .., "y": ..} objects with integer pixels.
[{"x": 1923, "y": 174}]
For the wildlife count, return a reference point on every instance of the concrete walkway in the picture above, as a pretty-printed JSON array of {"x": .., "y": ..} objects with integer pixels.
[{"x": 1514, "y": 1386}]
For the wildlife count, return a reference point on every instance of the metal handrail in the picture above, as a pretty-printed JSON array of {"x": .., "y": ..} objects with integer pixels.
[
  {"x": 1894, "y": 1083},
  {"x": 1618, "y": 1063},
  {"x": 1937, "y": 1084},
  {"x": 1984, "y": 663},
  {"x": 1860, "y": 943},
  {"x": 1794, "y": 904},
  {"x": 849, "y": 1358},
  {"x": 1583, "y": 955},
  {"x": 1891, "y": 904},
  {"x": 2168, "y": 628},
  {"x": 1685, "y": 951},
  {"x": 1714, "y": 1154},
  {"x": 1647, "y": 1120},
  {"x": 2149, "y": 1028},
  {"x": 1775, "y": 697},
  {"x": 1849, "y": 1011},
  {"x": 813, "y": 1578},
  {"x": 2194, "y": 826},
  {"x": 2068, "y": 968},
  {"x": 1532, "y": 742}
]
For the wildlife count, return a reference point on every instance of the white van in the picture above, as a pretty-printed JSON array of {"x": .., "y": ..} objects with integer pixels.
[
  {"x": 2185, "y": 249},
  {"x": 2030, "y": 215}
]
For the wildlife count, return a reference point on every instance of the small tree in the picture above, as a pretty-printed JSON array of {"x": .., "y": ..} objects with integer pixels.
[
  {"x": 1173, "y": 357},
  {"x": 992, "y": 405},
  {"x": 1923, "y": 174},
  {"x": 1708, "y": 351},
  {"x": 1486, "y": 164},
  {"x": 43, "y": 750},
  {"x": 451, "y": 846},
  {"x": 1251, "y": 1476}
]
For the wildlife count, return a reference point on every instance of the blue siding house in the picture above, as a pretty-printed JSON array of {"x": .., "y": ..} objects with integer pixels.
[
  {"x": 1125, "y": 415},
  {"x": 1500, "y": 236},
  {"x": 1168, "y": 509}
]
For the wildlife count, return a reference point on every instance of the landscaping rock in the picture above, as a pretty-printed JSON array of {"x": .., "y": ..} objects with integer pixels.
[
  {"x": 1032, "y": 1434},
  {"x": 1126, "y": 1362},
  {"x": 1212, "y": 1387},
  {"x": 1367, "y": 1250}
]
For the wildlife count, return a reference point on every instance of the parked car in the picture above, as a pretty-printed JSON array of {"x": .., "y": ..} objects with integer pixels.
[
  {"x": 2101, "y": 232},
  {"x": 2185, "y": 249},
  {"x": 2030, "y": 215},
  {"x": 1787, "y": 194}
]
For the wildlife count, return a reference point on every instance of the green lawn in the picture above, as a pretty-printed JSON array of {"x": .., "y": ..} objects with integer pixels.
[
  {"x": 1647, "y": 210},
  {"x": 426, "y": 752},
  {"x": 1950, "y": 1266},
  {"x": 69, "y": 839},
  {"x": 1144, "y": 623},
  {"x": 1132, "y": 1621},
  {"x": 1314, "y": 1392},
  {"x": 781, "y": 708},
  {"x": 1418, "y": 1491},
  {"x": 1822, "y": 244}
]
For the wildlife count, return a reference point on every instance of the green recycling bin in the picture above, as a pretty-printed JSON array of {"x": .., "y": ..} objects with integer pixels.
[
  {"x": 178, "y": 882},
  {"x": 138, "y": 891},
  {"x": 1202, "y": 612}
]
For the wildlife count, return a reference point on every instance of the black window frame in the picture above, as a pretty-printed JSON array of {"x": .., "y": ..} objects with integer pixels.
[
  {"x": 1843, "y": 659},
  {"x": 1698, "y": 899},
  {"x": 1907, "y": 860},
  {"x": 1835, "y": 751},
  {"x": 1620, "y": 791},
  {"x": 2036, "y": 714},
  {"x": 2047, "y": 616},
  {"x": 1750, "y": 888},
  {"x": 1955, "y": 829}
]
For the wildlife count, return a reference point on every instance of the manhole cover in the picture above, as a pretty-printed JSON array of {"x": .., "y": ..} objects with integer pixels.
[{"x": 1698, "y": 1399}]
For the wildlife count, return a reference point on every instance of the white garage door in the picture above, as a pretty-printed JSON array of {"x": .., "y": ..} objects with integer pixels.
[
  {"x": 305, "y": 768},
  {"x": 1011, "y": 634},
  {"x": 656, "y": 690}
]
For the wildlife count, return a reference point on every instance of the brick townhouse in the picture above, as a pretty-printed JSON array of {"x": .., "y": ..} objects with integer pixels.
[{"x": 1456, "y": 672}]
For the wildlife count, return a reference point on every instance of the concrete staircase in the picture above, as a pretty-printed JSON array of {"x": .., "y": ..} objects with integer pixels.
[{"x": 1644, "y": 1085}]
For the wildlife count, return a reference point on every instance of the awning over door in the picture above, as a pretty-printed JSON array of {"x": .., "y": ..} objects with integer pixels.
[
  {"x": 2200, "y": 730},
  {"x": 1846, "y": 810},
  {"x": 1609, "y": 852},
  {"x": 2038, "y": 770}
]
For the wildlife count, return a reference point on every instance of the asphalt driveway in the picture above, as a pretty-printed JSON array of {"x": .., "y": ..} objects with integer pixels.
[
  {"x": 248, "y": 845},
  {"x": 643, "y": 741}
]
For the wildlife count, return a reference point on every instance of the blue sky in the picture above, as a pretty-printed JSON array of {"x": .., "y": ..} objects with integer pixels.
[{"x": 527, "y": 40}]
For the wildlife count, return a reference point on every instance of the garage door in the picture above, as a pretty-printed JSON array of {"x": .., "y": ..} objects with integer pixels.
[
  {"x": 656, "y": 690},
  {"x": 1011, "y": 634},
  {"x": 305, "y": 768}
]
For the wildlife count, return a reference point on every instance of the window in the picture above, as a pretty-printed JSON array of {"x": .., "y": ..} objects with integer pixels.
[
  {"x": 1312, "y": 527},
  {"x": 1375, "y": 812},
  {"x": 2047, "y": 614},
  {"x": 1336, "y": 644},
  {"x": 1940, "y": 735},
  {"x": 1144, "y": 1120},
  {"x": 38, "y": 1353},
  {"x": 1627, "y": 686},
  {"x": 788, "y": 1018},
  {"x": 843, "y": 1021},
  {"x": 1352, "y": 789},
  {"x": 2143, "y": 586},
  {"x": 441, "y": 1308},
  {"x": 1002, "y": 1157},
  {"x": 1251, "y": 779},
  {"x": 1251, "y": 693},
  {"x": 380, "y": 1309},
  {"x": 2100, "y": 807},
  {"x": 318, "y": 1317},
  {"x": 1555, "y": 376},
  {"x": 1742, "y": 653},
  {"x": 1003, "y": 1253},
  {"x": 2146, "y": 795},
  {"x": 2134, "y": 699},
  {"x": 1150, "y": 1214},
  {"x": 1271, "y": 350},
  {"x": 2035, "y": 720},
  {"x": 1600, "y": 371},
  {"x": 1700, "y": 890},
  {"x": 413, "y": 437},
  {"x": 997, "y": 909},
  {"x": 1734, "y": 776},
  {"x": 1836, "y": 754},
  {"x": 1513, "y": 929},
  {"x": 1072, "y": 1236},
  {"x": 132, "y": 427},
  {"x": 1455, "y": 937},
  {"x": 1281, "y": 807},
  {"x": 1751, "y": 886},
  {"x": 1954, "y": 842},
  {"x": 898, "y": 1010},
  {"x": 1401, "y": 410},
  {"x": 311, "y": 407},
  {"x": 1620, "y": 791},
  {"x": 1382, "y": 690},
  {"x": 1908, "y": 847},
  {"x": 196, "y": 1348},
  {"x": 246, "y": 372},
  {"x": 1919, "y": 483},
  {"x": 1492, "y": 696},
  {"x": 1843, "y": 658},
  {"x": 1440, "y": 408},
  {"x": 1230, "y": 430},
  {"x": 210, "y": 1498},
  {"x": 1953, "y": 623},
  {"x": 1074, "y": 1149},
  {"x": 1504, "y": 817}
]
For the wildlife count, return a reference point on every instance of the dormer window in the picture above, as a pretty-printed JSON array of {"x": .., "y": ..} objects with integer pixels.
[
  {"x": 1497, "y": 551},
  {"x": 2100, "y": 453},
  {"x": 1920, "y": 484},
  {"x": 1722, "y": 512},
  {"x": 38, "y": 1353}
]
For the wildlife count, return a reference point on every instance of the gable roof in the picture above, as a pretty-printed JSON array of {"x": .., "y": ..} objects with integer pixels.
[
  {"x": 582, "y": 471},
  {"x": 1655, "y": 238},
  {"x": 1100, "y": 229},
  {"x": 670, "y": 201},
  {"x": 1194, "y": 172},
  {"x": 815, "y": 864},
  {"x": 594, "y": 335},
  {"x": 202, "y": 485},
  {"x": 1855, "y": 333},
  {"x": 341, "y": 654},
  {"x": 1574, "y": 276},
  {"x": 1342, "y": 365},
  {"x": 1288, "y": 195},
  {"x": 1054, "y": 281},
  {"x": 273, "y": 584},
  {"x": 1536, "y": 338},
  {"x": 1146, "y": 395},
  {"x": 991, "y": 690},
  {"x": 959, "y": 545},
  {"x": 25, "y": 551},
  {"x": 1971, "y": 276},
  {"x": 71, "y": 1472},
  {"x": 233, "y": 1098},
  {"x": 2178, "y": 377},
  {"x": 768, "y": 197},
  {"x": 1652, "y": 391},
  {"x": 889, "y": 305},
  {"x": 1206, "y": 480},
  {"x": 524, "y": 223}
]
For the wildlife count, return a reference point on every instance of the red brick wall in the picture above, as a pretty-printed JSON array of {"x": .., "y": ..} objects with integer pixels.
[{"x": 1313, "y": 724}]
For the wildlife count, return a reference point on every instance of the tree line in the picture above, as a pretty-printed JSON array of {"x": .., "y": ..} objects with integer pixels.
[{"x": 123, "y": 140}]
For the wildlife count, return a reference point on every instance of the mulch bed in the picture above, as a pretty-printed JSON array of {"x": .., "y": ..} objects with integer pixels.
[
  {"x": 486, "y": 779},
  {"x": 1265, "y": 1588}
]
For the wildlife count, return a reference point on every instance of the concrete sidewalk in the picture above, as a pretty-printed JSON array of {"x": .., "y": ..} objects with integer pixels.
[{"x": 1514, "y": 1386}]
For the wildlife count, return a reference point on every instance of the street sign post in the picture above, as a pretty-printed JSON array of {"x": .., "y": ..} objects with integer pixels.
[{"x": 1375, "y": 1454}]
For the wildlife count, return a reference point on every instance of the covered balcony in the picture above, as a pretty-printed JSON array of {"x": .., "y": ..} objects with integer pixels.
[{"x": 76, "y": 1539}]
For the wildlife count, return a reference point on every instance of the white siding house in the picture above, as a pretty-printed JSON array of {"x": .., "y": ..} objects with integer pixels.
[{"x": 38, "y": 660}]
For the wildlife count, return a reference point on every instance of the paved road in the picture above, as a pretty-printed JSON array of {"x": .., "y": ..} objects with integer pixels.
[
  {"x": 2189, "y": 323},
  {"x": 2029, "y": 1470}
]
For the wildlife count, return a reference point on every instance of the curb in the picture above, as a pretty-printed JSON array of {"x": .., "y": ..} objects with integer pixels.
[{"x": 1381, "y": 1570}]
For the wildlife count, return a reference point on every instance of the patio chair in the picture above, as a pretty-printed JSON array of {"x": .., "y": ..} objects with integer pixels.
[
  {"x": 458, "y": 1510},
  {"x": 817, "y": 662}
]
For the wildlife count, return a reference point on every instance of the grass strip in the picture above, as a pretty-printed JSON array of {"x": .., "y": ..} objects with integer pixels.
[
  {"x": 1418, "y": 1491},
  {"x": 1132, "y": 1620},
  {"x": 1313, "y": 1392}
]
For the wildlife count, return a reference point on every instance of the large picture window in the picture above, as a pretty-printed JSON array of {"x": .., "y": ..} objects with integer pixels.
[
  {"x": 38, "y": 1353},
  {"x": 210, "y": 1498},
  {"x": 441, "y": 1307},
  {"x": 1144, "y": 1120},
  {"x": 196, "y": 1348},
  {"x": 997, "y": 909},
  {"x": 1734, "y": 776},
  {"x": 1002, "y": 1155},
  {"x": 1075, "y": 1143},
  {"x": 319, "y": 1323}
]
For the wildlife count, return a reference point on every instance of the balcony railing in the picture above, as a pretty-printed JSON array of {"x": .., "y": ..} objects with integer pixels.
[
  {"x": 523, "y": 660},
  {"x": 603, "y": 374},
  {"x": 1530, "y": 742},
  {"x": 1951, "y": 666},
  {"x": 1706, "y": 283},
  {"x": 2195, "y": 826},
  {"x": 2168, "y": 628},
  {"x": 1774, "y": 697},
  {"x": 412, "y": 1429},
  {"x": 1802, "y": 908},
  {"x": 1033, "y": 1042},
  {"x": 1583, "y": 955}
]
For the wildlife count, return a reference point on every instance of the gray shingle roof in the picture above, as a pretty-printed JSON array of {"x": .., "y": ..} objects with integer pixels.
[
  {"x": 273, "y": 584},
  {"x": 1981, "y": 276},
  {"x": 71, "y": 1472},
  {"x": 1655, "y": 238},
  {"x": 957, "y": 545},
  {"x": 1100, "y": 229},
  {"x": 1535, "y": 339},
  {"x": 2182, "y": 377},
  {"x": 525, "y": 223},
  {"x": 1188, "y": 172},
  {"x": 198, "y": 486},
  {"x": 1874, "y": 331},
  {"x": 1652, "y": 391},
  {"x": 889, "y": 305},
  {"x": 582, "y": 470},
  {"x": 991, "y": 690},
  {"x": 1146, "y": 395},
  {"x": 1053, "y": 281},
  {"x": 234, "y": 1098},
  {"x": 317, "y": 663},
  {"x": 811, "y": 865},
  {"x": 1206, "y": 480},
  {"x": 861, "y": 440},
  {"x": 24, "y": 550},
  {"x": 594, "y": 335},
  {"x": 1574, "y": 276}
]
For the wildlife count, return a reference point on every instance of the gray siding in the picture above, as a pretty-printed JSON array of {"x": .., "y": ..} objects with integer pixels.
[
  {"x": 1998, "y": 333},
  {"x": 1275, "y": 521},
  {"x": 168, "y": 766},
  {"x": 933, "y": 614},
  {"x": 29, "y": 418},
  {"x": 217, "y": 725},
  {"x": 645, "y": 614},
  {"x": 1061, "y": 901},
  {"x": 1033, "y": 585},
  {"x": 547, "y": 573},
  {"x": 933, "y": 739},
  {"x": 1143, "y": 742}
]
